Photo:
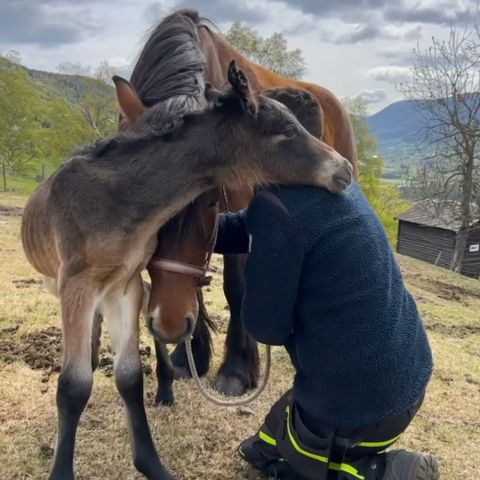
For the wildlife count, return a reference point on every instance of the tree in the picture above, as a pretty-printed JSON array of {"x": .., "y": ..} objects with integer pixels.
[
  {"x": 13, "y": 56},
  {"x": 63, "y": 130},
  {"x": 98, "y": 109},
  {"x": 105, "y": 71},
  {"x": 69, "y": 68},
  {"x": 445, "y": 88},
  {"x": 91, "y": 96},
  {"x": 370, "y": 162},
  {"x": 385, "y": 199},
  {"x": 272, "y": 52},
  {"x": 19, "y": 121}
]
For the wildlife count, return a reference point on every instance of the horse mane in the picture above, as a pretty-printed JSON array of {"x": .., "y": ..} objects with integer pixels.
[
  {"x": 180, "y": 225},
  {"x": 171, "y": 65},
  {"x": 169, "y": 76},
  {"x": 160, "y": 124},
  {"x": 169, "y": 79}
]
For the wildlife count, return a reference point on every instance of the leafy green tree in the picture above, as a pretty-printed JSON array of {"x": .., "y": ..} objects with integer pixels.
[
  {"x": 371, "y": 163},
  {"x": 385, "y": 199},
  {"x": 63, "y": 130},
  {"x": 91, "y": 96},
  {"x": 272, "y": 52},
  {"x": 19, "y": 121}
]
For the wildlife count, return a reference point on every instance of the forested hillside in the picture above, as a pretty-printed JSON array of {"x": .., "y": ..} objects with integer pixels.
[{"x": 44, "y": 117}]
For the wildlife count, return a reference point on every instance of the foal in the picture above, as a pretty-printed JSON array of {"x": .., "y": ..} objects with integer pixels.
[
  {"x": 92, "y": 226},
  {"x": 187, "y": 241}
]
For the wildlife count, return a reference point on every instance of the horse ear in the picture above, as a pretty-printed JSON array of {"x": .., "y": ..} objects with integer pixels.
[
  {"x": 212, "y": 95},
  {"x": 130, "y": 104},
  {"x": 303, "y": 105},
  {"x": 239, "y": 83}
]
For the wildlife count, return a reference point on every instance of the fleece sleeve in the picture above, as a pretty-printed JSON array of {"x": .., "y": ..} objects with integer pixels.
[
  {"x": 232, "y": 233},
  {"x": 272, "y": 271}
]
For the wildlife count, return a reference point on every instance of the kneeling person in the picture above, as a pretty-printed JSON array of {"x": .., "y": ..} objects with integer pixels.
[{"x": 321, "y": 280}]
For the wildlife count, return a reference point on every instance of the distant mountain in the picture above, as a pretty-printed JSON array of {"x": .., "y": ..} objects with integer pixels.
[
  {"x": 400, "y": 122},
  {"x": 400, "y": 127}
]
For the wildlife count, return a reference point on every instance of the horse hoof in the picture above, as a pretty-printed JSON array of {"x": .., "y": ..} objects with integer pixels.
[
  {"x": 181, "y": 373},
  {"x": 164, "y": 402},
  {"x": 231, "y": 386}
]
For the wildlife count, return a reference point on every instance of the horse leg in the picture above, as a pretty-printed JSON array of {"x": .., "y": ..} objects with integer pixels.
[
  {"x": 201, "y": 345},
  {"x": 96, "y": 333},
  {"x": 76, "y": 378},
  {"x": 121, "y": 310},
  {"x": 239, "y": 370},
  {"x": 165, "y": 375}
]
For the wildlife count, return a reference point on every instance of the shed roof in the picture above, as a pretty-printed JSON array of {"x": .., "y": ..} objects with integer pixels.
[{"x": 444, "y": 214}]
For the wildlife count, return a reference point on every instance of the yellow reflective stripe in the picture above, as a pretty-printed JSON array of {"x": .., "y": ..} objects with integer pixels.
[
  {"x": 344, "y": 467},
  {"x": 267, "y": 438},
  {"x": 379, "y": 444},
  {"x": 297, "y": 447}
]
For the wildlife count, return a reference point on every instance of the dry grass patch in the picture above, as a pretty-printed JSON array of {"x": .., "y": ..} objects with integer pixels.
[{"x": 195, "y": 439}]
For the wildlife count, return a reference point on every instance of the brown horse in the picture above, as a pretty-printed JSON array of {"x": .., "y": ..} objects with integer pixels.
[
  {"x": 174, "y": 295},
  {"x": 92, "y": 227}
]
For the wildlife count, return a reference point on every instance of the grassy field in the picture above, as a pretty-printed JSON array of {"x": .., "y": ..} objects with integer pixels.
[{"x": 197, "y": 440}]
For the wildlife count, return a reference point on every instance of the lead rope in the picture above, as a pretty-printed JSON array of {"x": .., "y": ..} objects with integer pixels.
[
  {"x": 215, "y": 399},
  {"x": 221, "y": 401}
]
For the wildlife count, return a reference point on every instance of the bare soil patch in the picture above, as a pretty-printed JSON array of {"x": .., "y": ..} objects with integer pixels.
[
  {"x": 26, "y": 282},
  {"x": 446, "y": 291},
  {"x": 8, "y": 211},
  {"x": 42, "y": 350},
  {"x": 454, "y": 331}
]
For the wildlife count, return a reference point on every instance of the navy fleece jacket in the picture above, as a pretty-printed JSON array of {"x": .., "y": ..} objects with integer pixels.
[{"x": 322, "y": 280}]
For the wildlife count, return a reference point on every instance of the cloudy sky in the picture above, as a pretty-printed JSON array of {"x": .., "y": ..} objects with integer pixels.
[{"x": 353, "y": 47}]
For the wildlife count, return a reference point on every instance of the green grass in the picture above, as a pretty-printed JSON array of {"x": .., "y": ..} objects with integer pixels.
[
  {"x": 21, "y": 185},
  {"x": 25, "y": 184}
]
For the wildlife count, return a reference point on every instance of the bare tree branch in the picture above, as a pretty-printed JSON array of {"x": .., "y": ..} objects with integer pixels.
[{"x": 445, "y": 90}]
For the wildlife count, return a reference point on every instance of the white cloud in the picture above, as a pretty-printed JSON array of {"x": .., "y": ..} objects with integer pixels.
[
  {"x": 348, "y": 45},
  {"x": 372, "y": 96},
  {"x": 390, "y": 74}
]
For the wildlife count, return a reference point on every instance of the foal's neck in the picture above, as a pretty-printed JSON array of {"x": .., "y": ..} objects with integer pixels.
[{"x": 162, "y": 171}]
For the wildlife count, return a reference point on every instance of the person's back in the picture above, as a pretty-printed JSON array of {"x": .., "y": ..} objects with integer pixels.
[
  {"x": 357, "y": 342},
  {"x": 322, "y": 280}
]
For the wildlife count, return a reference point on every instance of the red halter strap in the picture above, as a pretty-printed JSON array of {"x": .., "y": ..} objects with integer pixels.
[
  {"x": 195, "y": 271},
  {"x": 175, "y": 266}
]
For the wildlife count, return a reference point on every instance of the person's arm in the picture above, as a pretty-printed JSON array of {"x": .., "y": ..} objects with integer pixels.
[
  {"x": 232, "y": 235},
  {"x": 272, "y": 271}
]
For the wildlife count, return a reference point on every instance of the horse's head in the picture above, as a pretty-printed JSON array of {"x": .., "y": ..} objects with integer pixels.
[
  {"x": 274, "y": 144},
  {"x": 179, "y": 267}
]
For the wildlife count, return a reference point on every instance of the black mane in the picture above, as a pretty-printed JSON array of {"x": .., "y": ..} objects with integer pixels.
[
  {"x": 180, "y": 225},
  {"x": 168, "y": 77},
  {"x": 158, "y": 124},
  {"x": 171, "y": 66}
]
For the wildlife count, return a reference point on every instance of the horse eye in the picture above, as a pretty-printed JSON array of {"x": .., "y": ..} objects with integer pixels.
[{"x": 290, "y": 131}]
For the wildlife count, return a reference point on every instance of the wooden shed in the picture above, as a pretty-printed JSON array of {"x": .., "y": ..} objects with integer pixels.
[{"x": 429, "y": 233}]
